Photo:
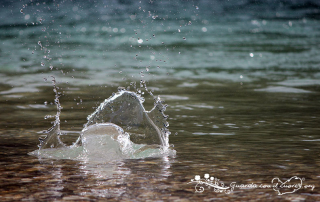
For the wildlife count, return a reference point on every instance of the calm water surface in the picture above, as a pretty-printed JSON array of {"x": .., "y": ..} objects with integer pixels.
[{"x": 241, "y": 79}]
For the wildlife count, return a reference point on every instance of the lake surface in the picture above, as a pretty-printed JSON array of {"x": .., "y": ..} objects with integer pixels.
[{"x": 241, "y": 80}]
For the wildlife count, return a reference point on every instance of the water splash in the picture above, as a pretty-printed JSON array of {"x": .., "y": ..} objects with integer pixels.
[
  {"x": 52, "y": 140},
  {"x": 119, "y": 128},
  {"x": 125, "y": 108}
]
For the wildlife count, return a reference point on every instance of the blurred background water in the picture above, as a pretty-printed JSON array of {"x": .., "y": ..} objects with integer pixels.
[
  {"x": 185, "y": 39},
  {"x": 241, "y": 79}
]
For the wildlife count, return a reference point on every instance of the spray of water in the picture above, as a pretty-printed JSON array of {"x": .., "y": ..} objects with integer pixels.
[
  {"x": 52, "y": 140},
  {"x": 119, "y": 128},
  {"x": 125, "y": 109}
]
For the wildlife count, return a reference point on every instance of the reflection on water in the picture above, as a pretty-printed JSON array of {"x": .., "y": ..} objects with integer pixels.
[{"x": 239, "y": 135}]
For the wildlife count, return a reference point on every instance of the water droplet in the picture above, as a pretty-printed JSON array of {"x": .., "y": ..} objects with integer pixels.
[
  {"x": 48, "y": 116},
  {"x": 121, "y": 88},
  {"x": 251, "y": 55},
  {"x": 197, "y": 7},
  {"x": 51, "y": 67},
  {"x": 27, "y": 17},
  {"x": 120, "y": 72},
  {"x": 45, "y": 103},
  {"x": 184, "y": 38},
  {"x": 147, "y": 69},
  {"x": 42, "y": 64},
  {"x": 189, "y": 23},
  {"x": 204, "y": 29},
  {"x": 153, "y": 35},
  {"x": 21, "y": 10}
]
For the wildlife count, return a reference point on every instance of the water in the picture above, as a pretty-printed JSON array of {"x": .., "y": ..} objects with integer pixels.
[
  {"x": 241, "y": 80},
  {"x": 139, "y": 133}
]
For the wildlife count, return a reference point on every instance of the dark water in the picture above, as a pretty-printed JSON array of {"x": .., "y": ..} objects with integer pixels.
[{"x": 242, "y": 89}]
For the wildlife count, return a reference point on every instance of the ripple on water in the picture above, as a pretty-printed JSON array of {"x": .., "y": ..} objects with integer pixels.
[
  {"x": 200, "y": 133},
  {"x": 282, "y": 89}
]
